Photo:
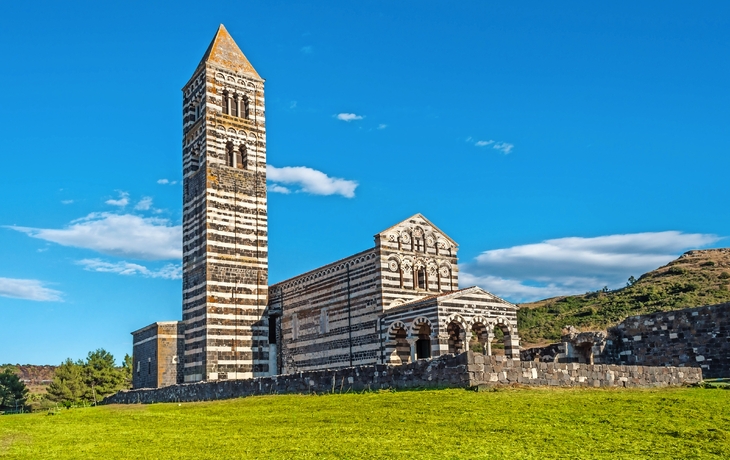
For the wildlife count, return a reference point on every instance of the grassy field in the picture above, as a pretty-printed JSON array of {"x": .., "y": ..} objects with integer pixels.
[{"x": 509, "y": 423}]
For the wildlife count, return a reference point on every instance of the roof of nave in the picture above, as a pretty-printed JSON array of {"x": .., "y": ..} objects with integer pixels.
[
  {"x": 449, "y": 295},
  {"x": 224, "y": 52},
  {"x": 416, "y": 216}
]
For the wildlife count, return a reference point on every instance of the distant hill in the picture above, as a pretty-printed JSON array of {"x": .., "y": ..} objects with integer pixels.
[
  {"x": 700, "y": 277},
  {"x": 32, "y": 374}
]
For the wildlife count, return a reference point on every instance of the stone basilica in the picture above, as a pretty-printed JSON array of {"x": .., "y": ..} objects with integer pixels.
[{"x": 394, "y": 303}]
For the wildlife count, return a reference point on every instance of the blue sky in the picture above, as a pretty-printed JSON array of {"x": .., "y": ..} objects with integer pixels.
[{"x": 565, "y": 147}]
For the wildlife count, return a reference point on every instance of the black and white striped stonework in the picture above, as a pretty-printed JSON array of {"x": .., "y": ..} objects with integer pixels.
[{"x": 225, "y": 225}]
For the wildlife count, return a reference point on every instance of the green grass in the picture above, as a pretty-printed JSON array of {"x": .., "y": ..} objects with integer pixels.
[
  {"x": 509, "y": 423},
  {"x": 697, "y": 278}
]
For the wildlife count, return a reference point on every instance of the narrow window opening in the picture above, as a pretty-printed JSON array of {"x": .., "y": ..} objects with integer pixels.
[
  {"x": 225, "y": 102},
  {"x": 137, "y": 368},
  {"x": 230, "y": 156},
  {"x": 234, "y": 106},
  {"x": 245, "y": 107},
  {"x": 149, "y": 366},
  {"x": 421, "y": 278},
  {"x": 272, "y": 329}
]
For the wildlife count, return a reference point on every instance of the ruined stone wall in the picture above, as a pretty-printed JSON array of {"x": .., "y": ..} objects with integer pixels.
[
  {"x": 694, "y": 337},
  {"x": 328, "y": 316},
  {"x": 460, "y": 371},
  {"x": 225, "y": 230}
]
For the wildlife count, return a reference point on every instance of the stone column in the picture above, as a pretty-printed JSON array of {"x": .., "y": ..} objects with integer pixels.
[
  {"x": 412, "y": 342},
  {"x": 488, "y": 348},
  {"x": 464, "y": 336}
]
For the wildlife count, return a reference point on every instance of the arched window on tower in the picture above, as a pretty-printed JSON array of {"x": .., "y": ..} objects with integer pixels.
[
  {"x": 234, "y": 105},
  {"x": 242, "y": 157},
  {"x": 245, "y": 108},
  {"x": 229, "y": 154},
  {"x": 225, "y": 103}
]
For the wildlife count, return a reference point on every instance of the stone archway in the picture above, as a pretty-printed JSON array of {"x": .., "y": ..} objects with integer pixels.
[
  {"x": 456, "y": 333},
  {"x": 510, "y": 340},
  {"x": 398, "y": 350},
  {"x": 423, "y": 340}
]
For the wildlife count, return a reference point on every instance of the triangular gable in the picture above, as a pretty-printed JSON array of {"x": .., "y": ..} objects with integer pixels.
[
  {"x": 449, "y": 296},
  {"x": 224, "y": 52},
  {"x": 406, "y": 223}
]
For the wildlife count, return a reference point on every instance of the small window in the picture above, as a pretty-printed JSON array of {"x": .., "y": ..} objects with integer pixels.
[
  {"x": 149, "y": 366},
  {"x": 245, "y": 107},
  {"x": 230, "y": 156},
  {"x": 225, "y": 102},
  {"x": 234, "y": 105},
  {"x": 418, "y": 244},
  {"x": 422, "y": 278},
  {"x": 137, "y": 368}
]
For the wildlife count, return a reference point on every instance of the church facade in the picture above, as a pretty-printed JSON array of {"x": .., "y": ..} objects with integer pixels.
[{"x": 394, "y": 303}]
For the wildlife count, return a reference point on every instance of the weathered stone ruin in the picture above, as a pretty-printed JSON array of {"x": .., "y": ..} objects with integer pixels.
[{"x": 693, "y": 337}]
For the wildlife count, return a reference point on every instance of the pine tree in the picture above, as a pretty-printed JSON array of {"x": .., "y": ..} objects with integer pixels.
[
  {"x": 68, "y": 383},
  {"x": 13, "y": 392}
]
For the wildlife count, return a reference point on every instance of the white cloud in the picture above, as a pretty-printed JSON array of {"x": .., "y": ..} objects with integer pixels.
[
  {"x": 144, "y": 204},
  {"x": 121, "y": 202},
  {"x": 575, "y": 265},
  {"x": 311, "y": 181},
  {"x": 169, "y": 271},
  {"x": 504, "y": 147},
  {"x": 276, "y": 188},
  {"x": 163, "y": 181},
  {"x": 67, "y": 201},
  {"x": 123, "y": 235},
  {"x": 28, "y": 290},
  {"x": 382, "y": 126},
  {"x": 349, "y": 117}
]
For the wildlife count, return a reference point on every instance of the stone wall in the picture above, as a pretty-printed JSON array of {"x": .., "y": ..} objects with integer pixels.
[
  {"x": 156, "y": 355},
  {"x": 455, "y": 371},
  {"x": 694, "y": 337}
]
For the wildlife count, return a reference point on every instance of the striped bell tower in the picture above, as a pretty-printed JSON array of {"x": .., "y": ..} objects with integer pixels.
[{"x": 225, "y": 235}]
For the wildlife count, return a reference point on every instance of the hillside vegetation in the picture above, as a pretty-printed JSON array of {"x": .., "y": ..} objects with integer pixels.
[
  {"x": 450, "y": 424},
  {"x": 696, "y": 278}
]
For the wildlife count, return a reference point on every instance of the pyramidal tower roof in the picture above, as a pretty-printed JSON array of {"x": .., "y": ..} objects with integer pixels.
[{"x": 224, "y": 52}]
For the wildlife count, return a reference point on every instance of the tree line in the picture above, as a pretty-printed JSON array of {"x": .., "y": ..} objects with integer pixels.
[{"x": 78, "y": 382}]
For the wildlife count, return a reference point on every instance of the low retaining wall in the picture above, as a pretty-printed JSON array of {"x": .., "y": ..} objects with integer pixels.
[{"x": 461, "y": 371}]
